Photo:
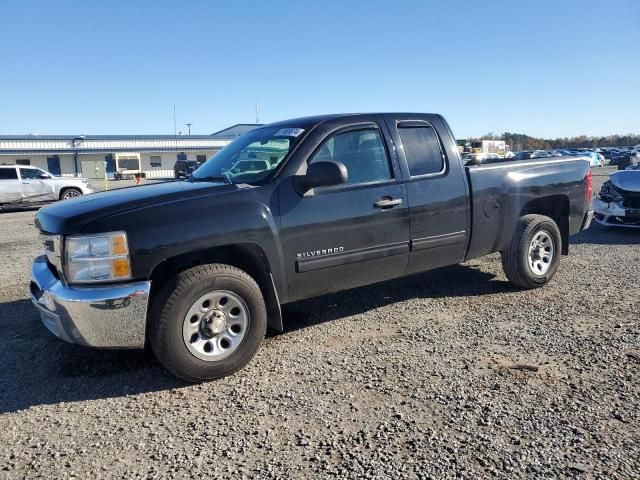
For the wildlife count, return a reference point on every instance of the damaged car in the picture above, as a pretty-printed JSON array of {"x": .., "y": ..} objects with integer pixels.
[
  {"x": 22, "y": 185},
  {"x": 618, "y": 204}
]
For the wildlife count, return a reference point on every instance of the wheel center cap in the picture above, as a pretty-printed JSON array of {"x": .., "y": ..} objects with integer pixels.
[{"x": 214, "y": 323}]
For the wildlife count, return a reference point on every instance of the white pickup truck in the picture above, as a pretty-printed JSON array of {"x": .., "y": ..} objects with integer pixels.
[{"x": 23, "y": 184}]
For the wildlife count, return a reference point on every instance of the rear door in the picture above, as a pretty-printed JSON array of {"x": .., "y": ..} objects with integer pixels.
[
  {"x": 347, "y": 235},
  {"x": 436, "y": 190},
  {"x": 10, "y": 186}
]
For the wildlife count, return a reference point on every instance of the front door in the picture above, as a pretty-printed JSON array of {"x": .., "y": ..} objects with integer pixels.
[
  {"x": 436, "y": 191},
  {"x": 347, "y": 235},
  {"x": 53, "y": 165},
  {"x": 34, "y": 187}
]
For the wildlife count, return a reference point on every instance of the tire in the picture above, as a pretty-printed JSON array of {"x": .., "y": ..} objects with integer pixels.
[
  {"x": 68, "y": 193},
  {"x": 168, "y": 322},
  {"x": 517, "y": 259}
]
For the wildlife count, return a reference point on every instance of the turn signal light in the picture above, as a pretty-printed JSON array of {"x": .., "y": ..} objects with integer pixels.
[{"x": 120, "y": 268}]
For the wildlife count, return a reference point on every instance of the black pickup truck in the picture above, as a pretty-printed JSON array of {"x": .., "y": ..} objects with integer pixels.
[{"x": 198, "y": 269}]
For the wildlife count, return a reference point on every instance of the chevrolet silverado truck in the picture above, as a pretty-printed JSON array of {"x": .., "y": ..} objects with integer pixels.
[{"x": 198, "y": 269}]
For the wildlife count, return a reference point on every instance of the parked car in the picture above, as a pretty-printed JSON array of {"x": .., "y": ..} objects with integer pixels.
[
  {"x": 610, "y": 153},
  {"x": 23, "y": 184},
  {"x": 595, "y": 159},
  {"x": 481, "y": 158},
  {"x": 184, "y": 168},
  {"x": 206, "y": 263},
  {"x": 564, "y": 153},
  {"x": 523, "y": 155},
  {"x": 540, "y": 154},
  {"x": 526, "y": 154},
  {"x": 618, "y": 204}
]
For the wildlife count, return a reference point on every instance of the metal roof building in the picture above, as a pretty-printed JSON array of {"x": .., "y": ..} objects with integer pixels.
[
  {"x": 236, "y": 130},
  {"x": 93, "y": 155}
]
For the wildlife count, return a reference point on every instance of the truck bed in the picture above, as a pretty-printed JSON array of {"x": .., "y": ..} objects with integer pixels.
[{"x": 502, "y": 192}]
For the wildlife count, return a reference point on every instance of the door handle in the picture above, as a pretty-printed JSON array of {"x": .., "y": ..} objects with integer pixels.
[{"x": 388, "y": 202}]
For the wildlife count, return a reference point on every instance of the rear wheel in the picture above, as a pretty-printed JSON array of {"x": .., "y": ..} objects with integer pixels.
[
  {"x": 68, "y": 193},
  {"x": 208, "y": 323},
  {"x": 532, "y": 258}
]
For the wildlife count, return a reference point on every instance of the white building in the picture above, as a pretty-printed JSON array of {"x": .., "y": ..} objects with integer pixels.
[{"x": 91, "y": 155}]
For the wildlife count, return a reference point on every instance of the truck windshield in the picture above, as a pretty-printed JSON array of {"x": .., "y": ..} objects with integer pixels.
[{"x": 251, "y": 158}]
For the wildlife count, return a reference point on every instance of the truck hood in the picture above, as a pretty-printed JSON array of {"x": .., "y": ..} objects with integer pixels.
[{"x": 71, "y": 216}]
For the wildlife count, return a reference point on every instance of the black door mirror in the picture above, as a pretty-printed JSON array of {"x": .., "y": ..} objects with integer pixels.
[{"x": 323, "y": 174}]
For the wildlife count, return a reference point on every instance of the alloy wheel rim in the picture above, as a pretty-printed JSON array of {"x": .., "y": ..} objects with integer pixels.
[
  {"x": 70, "y": 194},
  {"x": 215, "y": 325},
  {"x": 541, "y": 253}
]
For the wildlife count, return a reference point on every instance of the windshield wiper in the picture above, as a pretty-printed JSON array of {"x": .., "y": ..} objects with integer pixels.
[{"x": 212, "y": 178}]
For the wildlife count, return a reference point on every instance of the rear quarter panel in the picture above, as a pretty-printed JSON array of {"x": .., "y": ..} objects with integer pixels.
[{"x": 501, "y": 192}]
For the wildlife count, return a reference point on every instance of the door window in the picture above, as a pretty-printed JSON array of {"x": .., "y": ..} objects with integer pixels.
[
  {"x": 422, "y": 150},
  {"x": 361, "y": 151},
  {"x": 30, "y": 173},
  {"x": 8, "y": 174}
]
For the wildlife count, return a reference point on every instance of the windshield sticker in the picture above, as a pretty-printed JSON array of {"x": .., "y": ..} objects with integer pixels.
[{"x": 289, "y": 132}]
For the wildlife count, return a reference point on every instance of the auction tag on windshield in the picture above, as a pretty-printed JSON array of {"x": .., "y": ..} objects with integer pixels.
[{"x": 289, "y": 132}]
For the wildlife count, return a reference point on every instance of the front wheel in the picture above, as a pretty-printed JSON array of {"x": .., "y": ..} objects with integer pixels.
[
  {"x": 533, "y": 256},
  {"x": 208, "y": 322},
  {"x": 68, "y": 193}
]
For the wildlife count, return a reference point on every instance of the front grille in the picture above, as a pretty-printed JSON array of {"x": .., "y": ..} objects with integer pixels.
[
  {"x": 631, "y": 202},
  {"x": 53, "y": 250}
]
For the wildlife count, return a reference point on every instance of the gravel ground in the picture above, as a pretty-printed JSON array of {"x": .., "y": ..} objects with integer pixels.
[{"x": 448, "y": 374}]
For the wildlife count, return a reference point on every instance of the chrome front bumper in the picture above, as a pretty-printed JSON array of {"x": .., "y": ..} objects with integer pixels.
[{"x": 106, "y": 316}]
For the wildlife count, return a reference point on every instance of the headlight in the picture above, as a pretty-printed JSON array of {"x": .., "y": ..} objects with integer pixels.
[{"x": 102, "y": 257}]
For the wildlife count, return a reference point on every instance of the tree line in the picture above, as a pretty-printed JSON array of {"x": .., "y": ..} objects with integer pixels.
[{"x": 520, "y": 141}]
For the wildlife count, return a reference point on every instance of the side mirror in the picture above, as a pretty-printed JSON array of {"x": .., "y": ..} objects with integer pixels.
[{"x": 323, "y": 174}]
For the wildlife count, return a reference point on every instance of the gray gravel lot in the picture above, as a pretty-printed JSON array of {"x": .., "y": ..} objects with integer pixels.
[{"x": 412, "y": 378}]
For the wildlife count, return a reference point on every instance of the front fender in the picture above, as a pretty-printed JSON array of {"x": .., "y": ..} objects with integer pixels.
[{"x": 162, "y": 231}]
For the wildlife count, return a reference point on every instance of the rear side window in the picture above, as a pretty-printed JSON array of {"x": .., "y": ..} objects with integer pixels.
[
  {"x": 8, "y": 174},
  {"x": 422, "y": 150}
]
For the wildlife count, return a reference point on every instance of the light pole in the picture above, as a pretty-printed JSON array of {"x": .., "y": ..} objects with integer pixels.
[{"x": 189, "y": 127}]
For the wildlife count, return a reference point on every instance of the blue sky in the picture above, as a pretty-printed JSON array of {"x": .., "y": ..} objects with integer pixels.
[{"x": 545, "y": 68}]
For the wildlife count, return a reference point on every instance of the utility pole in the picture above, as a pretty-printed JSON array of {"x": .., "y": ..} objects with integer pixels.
[
  {"x": 189, "y": 127},
  {"x": 257, "y": 116},
  {"x": 175, "y": 127}
]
